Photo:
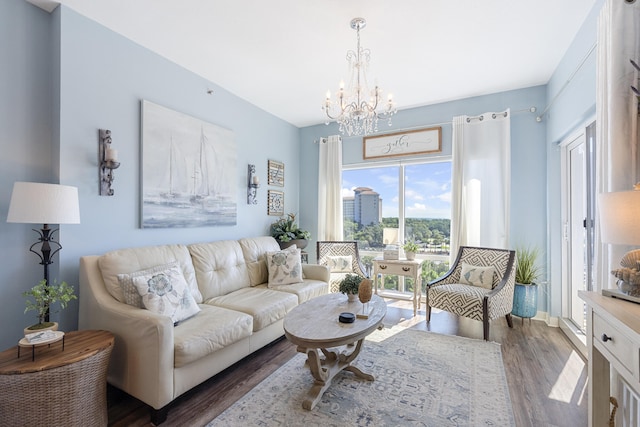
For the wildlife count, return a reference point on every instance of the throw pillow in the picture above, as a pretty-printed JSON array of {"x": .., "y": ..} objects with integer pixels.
[
  {"x": 340, "y": 264},
  {"x": 131, "y": 295},
  {"x": 477, "y": 276},
  {"x": 166, "y": 293},
  {"x": 285, "y": 267}
]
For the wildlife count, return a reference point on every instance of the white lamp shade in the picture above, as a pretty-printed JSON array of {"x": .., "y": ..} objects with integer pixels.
[
  {"x": 390, "y": 236},
  {"x": 620, "y": 217},
  {"x": 38, "y": 203}
]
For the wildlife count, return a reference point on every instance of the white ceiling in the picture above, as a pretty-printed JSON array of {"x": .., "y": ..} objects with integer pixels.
[{"x": 283, "y": 55}]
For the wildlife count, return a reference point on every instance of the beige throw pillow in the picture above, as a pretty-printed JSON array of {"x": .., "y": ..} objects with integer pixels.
[
  {"x": 166, "y": 293},
  {"x": 285, "y": 267},
  {"x": 340, "y": 264},
  {"x": 477, "y": 276},
  {"x": 131, "y": 295}
]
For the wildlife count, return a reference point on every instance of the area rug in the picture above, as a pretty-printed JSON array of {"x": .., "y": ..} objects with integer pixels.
[{"x": 421, "y": 379}]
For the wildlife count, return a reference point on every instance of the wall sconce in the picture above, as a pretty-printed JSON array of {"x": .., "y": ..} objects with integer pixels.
[
  {"x": 108, "y": 161},
  {"x": 253, "y": 185}
]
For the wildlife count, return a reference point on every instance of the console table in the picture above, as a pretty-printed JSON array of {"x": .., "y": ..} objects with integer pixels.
[
  {"x": 400, "y": 267},
  {"x": 613, "y": 341},
  {"x": 59, "y": 387}
]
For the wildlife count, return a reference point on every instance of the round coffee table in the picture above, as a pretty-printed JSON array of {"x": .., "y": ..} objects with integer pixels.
[{"x": 314, "y": 327}]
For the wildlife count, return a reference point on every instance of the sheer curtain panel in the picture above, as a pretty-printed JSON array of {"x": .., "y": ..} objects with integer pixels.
[
  {"x": 330, "y": 189},
  {"x": 616, "y": 117},
  {"x": 481, "y": 181}
]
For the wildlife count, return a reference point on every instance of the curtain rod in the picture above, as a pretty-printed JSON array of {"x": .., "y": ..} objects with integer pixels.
[
  {"x": 564, "y": 86},
  {"x": 324, "y": 139}
]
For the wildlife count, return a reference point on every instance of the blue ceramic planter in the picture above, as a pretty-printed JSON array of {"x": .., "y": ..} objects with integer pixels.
[{"x": 525, "y": 301}]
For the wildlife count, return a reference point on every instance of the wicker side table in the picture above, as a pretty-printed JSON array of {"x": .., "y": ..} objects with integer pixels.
[{"x": 60, "y": 387}]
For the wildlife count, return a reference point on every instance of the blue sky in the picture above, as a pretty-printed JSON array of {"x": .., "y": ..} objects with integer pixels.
[{"x": 427, "y": 188}]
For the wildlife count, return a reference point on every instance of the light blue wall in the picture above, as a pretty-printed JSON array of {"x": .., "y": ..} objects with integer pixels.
[
  {"x": 63, "y": 77},
  {"x": 574, "y": 106},
  {"x": 71, "y": 77},
  {"x": 25, "y": 142},
  {"x": 528, "y": 156}
]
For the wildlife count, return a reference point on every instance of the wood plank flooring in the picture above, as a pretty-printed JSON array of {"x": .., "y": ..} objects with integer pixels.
[{"x": 547, "y": 377}]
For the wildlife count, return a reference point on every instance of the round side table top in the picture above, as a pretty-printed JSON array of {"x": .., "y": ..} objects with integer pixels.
[
  {"x": 78, "y": 345},
  {"x": 314, "y": 324}
]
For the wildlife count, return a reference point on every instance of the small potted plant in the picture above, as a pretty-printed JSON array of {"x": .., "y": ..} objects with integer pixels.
[
  {"x": 525, "y": 297},
  {"x": 287, "y": 233},
  {"x": 350, "y": 285},
  {"x": 44, "y": 295},
  {"x": 410, "y": 249}
]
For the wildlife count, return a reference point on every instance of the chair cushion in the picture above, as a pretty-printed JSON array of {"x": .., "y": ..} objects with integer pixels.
[
  {"x": 285, "y": 267},
  {"x": 463, "y": 300},
  {"x": 212, "y": 329},
  {"x": 265, "y": 305},
  {"x": 477, "y": 275}
]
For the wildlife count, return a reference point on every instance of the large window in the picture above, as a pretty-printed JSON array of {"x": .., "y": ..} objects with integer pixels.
[{"x": 412, "y": 201}]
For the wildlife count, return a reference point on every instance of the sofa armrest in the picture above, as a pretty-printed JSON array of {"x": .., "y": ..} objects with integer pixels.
[
  {"x": 316, "y": 272},
  {"x": 142, "y": 360}
]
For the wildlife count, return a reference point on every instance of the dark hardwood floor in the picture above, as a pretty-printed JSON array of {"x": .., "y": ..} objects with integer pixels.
[{"x": 547, "y": 377}]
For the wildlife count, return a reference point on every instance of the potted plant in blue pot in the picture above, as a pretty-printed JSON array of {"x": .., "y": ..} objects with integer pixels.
[{"x": 525, "y": 297}]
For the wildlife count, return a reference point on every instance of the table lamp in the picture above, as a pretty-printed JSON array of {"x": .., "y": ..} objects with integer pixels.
[
  {"x": 620, "y": 225},
  {"x": 38, "y": 203}
]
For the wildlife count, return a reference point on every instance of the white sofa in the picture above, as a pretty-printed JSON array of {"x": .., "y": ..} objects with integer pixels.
[{"x": 155, "y": 361}]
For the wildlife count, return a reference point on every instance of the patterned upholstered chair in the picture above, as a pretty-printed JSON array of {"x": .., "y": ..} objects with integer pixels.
[
  {"x": 342, "y": 258},
  {"x": 471, "y": 289}
]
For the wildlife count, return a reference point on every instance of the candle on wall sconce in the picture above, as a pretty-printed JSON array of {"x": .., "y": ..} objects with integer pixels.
[
  {"x": 253, "y": 185},
  {"x": 107, "y": 162}
]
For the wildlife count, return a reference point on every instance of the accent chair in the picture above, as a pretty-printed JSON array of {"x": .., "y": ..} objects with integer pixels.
[
  {"x": 479, "y": 285},
  {"x": 342, "y": 258}
]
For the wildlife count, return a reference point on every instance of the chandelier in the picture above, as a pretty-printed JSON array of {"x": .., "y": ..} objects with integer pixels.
[{"x": 356, "y": 107}]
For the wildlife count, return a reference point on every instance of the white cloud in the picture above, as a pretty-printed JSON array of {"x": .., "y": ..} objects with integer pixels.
[
  {"x": 347, "y": 193},
  {"x": 445, "y": 197}
]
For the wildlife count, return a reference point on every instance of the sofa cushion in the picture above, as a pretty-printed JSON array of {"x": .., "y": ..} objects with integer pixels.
[
  {"x": 126, "y": 261},
  {"x": 166, "y": 293},
  {"x": 285, "y": 267},
  {"x": 212, "y": 329},
  {"x": 255, "y": 250},
  {"x": 220, "y": 267},
  {"x": 266, "y": 306},
  {"x": 304, "y": 290}
]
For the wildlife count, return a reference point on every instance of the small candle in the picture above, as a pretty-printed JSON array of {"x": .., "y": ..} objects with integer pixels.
[
  {"x": 110, "y": 155},
  {"x": 255, "y": 180}
]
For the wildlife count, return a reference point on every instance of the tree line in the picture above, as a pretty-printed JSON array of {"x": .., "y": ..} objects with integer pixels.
[{"x": 427, "y": 232}]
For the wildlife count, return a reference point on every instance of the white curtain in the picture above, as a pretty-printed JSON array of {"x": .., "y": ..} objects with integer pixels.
[
  {"x": 616, "y": 116},
  {"x": 329, "y": 189},
  {"x": 481, "y": 181}
]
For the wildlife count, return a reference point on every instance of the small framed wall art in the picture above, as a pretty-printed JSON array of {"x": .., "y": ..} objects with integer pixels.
[
  {"x": 275, "y": 173},
  {"x": 275, "y": 204},
  {"x": 409, "y": 143}
]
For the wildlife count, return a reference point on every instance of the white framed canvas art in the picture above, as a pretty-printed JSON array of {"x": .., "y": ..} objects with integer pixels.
[{"x": 188, "y": 171}]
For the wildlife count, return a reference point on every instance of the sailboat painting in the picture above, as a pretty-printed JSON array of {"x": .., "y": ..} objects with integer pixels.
[{"x": 188, "y": 171}]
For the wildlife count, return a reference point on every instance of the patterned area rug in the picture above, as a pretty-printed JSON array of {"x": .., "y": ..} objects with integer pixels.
[{"x": 421, "y": 379}]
